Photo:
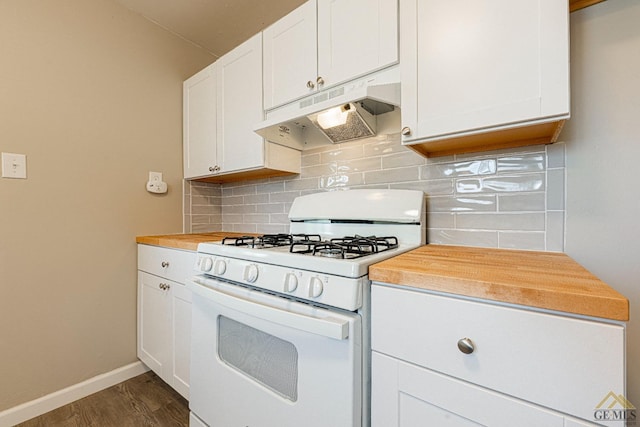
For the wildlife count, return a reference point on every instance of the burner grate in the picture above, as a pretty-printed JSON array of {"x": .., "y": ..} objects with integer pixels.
[{"x": 345, "y": 247}]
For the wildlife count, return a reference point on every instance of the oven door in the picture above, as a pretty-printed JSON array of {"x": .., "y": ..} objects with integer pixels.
[{"x": 260, "y": 360}]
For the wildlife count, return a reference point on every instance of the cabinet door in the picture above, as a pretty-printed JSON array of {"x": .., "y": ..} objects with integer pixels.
[
  {"x": 470, "y": 65},
  {"x": 404, "y": 395},
  {"x": 181, "y": 337},
  {"x": 290, "y": 56},
  {"x": 355, "y": 37},
  {"x": 240, "y": 106},
  {"x": 199, "y": 127},
  {"x": 154, "y": 320}
]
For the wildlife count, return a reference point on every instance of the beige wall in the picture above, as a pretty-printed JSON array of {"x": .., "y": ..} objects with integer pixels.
[
  {"x": 92, "y": 94},
  {"x": 603, "y": 150}
]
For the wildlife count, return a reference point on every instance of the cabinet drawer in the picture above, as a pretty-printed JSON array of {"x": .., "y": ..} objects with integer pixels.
[
  {"x": 560, "y": 362},
  {"x": 173, "y": 264}
]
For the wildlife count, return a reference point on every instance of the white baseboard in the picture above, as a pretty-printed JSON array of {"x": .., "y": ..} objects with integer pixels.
[{"x": 44, "y": 404}]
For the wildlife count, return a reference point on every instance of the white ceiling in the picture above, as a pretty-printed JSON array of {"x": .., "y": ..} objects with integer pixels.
[{"x": 216, "y": 25}]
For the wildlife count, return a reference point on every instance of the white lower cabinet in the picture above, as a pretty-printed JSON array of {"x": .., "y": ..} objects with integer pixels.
[
  {"x": 164, "y": 314},
  {"x": 444, "y": 361}
]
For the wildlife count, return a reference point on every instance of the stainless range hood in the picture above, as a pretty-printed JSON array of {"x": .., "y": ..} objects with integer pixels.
[{"x": 339, "y": 114}]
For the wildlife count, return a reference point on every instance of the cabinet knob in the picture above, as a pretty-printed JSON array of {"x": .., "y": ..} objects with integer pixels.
[
  {"x": 310, "y": 84},
  {"x": 165, "y": 264},
  {"x": 406, "y": 131},
  {"x": 320, "y": 81},
  {"x": 215, "y": 168},
  {"x": 466, "y": 346}
]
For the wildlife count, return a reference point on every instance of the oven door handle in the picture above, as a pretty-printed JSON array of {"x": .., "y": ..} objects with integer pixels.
[{"x": 333, "y": 326}]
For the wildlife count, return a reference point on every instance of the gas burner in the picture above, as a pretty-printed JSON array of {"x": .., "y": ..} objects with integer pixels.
[
  {"x": 328, "y": 250},
  {"x": 344, "y": 247},
  {"x": 364, "y": 245},
  {"x": 270, "y": 240},
  {"x": 239, "y": 241},
  {"x": 306, "y": 238}
]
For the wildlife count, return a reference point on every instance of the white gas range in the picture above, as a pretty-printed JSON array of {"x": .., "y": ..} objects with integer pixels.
[{"x": 280, "y": 322}]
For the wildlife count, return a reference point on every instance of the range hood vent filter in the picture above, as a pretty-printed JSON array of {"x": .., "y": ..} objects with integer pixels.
[{"x": 356, "y": 123}]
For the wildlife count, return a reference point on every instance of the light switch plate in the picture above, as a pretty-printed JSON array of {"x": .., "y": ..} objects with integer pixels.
[{"x": 14, "y": 166}]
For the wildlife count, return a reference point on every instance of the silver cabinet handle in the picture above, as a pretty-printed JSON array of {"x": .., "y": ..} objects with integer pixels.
[
  {"x": 406, "y": 131},
  {"x": 161, "y": 286},
  {"x": 164, "y": 286},
  {"x": 320, "y": 81},
  {"x": 310, "y": 84},
  {"x": 466, "y": 346},
  {"x": 165, "y": 264},
  {"x": 215, "y": 168}
]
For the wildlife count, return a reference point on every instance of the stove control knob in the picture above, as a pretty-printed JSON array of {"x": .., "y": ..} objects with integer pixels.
[
  {"x": 206, "y": 264},
  {"x": 315, "y": 287},
  {"x": 251, "y": 273},
  {"x": 220, "y": 267},
  {"x": 290, "y": 282}
]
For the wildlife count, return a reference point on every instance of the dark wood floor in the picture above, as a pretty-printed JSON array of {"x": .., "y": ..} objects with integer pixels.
[{"x": 144, "y": 400}]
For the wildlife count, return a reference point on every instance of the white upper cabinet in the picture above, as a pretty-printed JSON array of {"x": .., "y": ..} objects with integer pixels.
[
  {"x": 327, "y": 42},
  {"x": 469, "y": 68},
  {"x": 199, "y": 127},
  {"x": 355, "y": 37},
  {"x": 290, "y": 56},
  {"x": 222, "y": 104},
  {"x": 240, "y": 106}
]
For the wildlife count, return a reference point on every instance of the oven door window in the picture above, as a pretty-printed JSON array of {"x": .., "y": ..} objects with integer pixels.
[{"x": 269, "y": 360}]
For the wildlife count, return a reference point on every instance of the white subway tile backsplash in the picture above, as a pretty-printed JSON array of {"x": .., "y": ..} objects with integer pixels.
[
  {"x": 440, "y": 220},
  {"x": 360, "y": 165},
  {"x": 245, "y": 189},
  {"x": 487, "y": 239},
  {"x": 462, "y": 204},
  {"x": 521, "y": 240},
  {"x": 310, "y": 159},
  {"x": 232, "y": 200},
  {"x": 501, "y": 221},
  {"x": 342, "y": 152},
  {"x": 341, "y": 181},
  {"x": 511, "y": 198},
  {"x": 319, "y": 170},
  {"x": 391, "y": 175},
  {"x": 522, "y": 163},
  {"x": 270, "y": 187},
  {"x": 555, "y": 189},
  {"x": 270, "y": 208},
  {"x": 555, "y": 231},
  {"x": 502, "y": 183},
  {"x": 408, "y": 158},
  {"x": 301, "y": 184},
  {"x": 521, "y": 202},
  {"x": 256, "y": 198},
  {"x": 286, "y": 197},
  {"x": 556, "y": 155},
  {"x": 456, "y": 169},
  {"x": 256, "y": 218}
]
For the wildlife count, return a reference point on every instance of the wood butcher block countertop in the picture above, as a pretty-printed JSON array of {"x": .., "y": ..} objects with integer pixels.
[
  {"x": 546, "y": 280},
  {"x": 187, "y": 241}
]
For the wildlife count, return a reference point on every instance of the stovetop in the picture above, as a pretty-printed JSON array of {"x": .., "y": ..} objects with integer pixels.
[
  {"x": 347, "y": 247},
  {"x": 333, "y": 239}
]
